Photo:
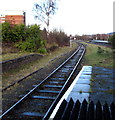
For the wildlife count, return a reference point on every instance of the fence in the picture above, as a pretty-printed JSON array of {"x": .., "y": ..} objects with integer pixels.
[{"x": 85, "y": 111}]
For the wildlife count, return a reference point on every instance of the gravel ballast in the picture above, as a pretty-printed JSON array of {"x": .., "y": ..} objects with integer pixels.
[{"x": 13, "y": 94}]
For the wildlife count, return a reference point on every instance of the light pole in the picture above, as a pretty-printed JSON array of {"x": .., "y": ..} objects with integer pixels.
[{"x": 70, "y": 41}]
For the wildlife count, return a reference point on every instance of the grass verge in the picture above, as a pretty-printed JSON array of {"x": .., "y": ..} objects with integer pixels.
[
  {"x": 99, "y": 56},
  {"x": 9, "y": 56},
  {"x": 13, "y": 75}
]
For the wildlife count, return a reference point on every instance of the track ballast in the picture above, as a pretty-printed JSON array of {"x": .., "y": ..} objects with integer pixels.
[{"x": 39, "y": 102}]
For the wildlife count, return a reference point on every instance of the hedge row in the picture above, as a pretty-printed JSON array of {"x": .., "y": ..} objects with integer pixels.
[{"x": 31, "y": 38}]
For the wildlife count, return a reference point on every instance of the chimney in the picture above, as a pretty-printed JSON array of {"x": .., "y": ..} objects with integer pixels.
[{"x": 24, "y": 13}]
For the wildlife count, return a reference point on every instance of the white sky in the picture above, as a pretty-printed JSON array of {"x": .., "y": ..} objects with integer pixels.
[{"x": 73, "y": 16}]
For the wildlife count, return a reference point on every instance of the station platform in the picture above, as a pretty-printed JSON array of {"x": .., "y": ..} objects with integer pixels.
[{"x": 78, "y": 90}]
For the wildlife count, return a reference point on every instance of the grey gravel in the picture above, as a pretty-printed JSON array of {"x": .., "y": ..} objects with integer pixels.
[{"x": 12, "y": 95}]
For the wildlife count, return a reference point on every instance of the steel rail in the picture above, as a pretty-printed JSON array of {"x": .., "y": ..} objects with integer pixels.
[
  {"x": 18, "y": 81},
  {"x": 66, "y": 85},
  {"x": 26, "y": 95}
]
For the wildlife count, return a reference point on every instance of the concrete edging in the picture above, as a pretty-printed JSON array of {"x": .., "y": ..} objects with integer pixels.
[
  {"x": 14, "y": 63},
  {"x": 87, "y": 71}
]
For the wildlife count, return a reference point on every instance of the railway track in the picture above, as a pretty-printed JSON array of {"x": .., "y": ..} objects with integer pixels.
[{"x": 39, "y": 102}]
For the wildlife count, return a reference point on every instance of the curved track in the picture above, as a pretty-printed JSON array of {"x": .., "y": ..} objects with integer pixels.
[{"x": 39, "y": 102}]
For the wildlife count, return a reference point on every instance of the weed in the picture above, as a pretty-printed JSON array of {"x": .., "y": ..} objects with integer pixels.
[
  {"x": 100, "y": 50},
  {"x": 92, "y": 80},
  {"x": 80, "y": 91},
  {"x": 42, "y": 50},
  {"x": 90, "y": 90},
  {"x": 91, "y": 84},
  {"x": 98, "y": 56}
]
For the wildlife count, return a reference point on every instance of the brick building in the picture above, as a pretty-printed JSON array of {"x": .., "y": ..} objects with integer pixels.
[
  {"x": 93, "y": 37},
  {"x": 102, "y": 36},
  {"x": 2, "y": 19},
  {"x": 13, "y": 19}
]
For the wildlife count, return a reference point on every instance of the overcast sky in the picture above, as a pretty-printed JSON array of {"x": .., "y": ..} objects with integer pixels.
[{"x": 73, "y": 16}]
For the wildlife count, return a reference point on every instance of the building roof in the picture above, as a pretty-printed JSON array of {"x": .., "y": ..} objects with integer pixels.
[{"x": 99, "y": 41}]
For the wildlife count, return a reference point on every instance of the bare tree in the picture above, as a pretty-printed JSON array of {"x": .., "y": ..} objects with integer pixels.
[{"x": 44, "y": 10}]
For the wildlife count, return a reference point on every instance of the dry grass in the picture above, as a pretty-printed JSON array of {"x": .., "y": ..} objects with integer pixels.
[
  {"x": 24, "y": 70},
  {"x": 9, "y": 56},
  {"x": 93, "y": 58},
  {"x": 9, "y": 52}
]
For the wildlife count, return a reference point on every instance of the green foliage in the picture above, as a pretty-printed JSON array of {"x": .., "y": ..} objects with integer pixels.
[
  {"x": 32, "y": 39},
  {"x": 112, "y": 40},
  {"x": 100, "y": 50},
  {"x": 32, "y": 45},
  {"x": 17, "y": 33},
  {"x": 0, "y": 32},
  {"x": 6, "y": 30},
  {"x": 33, "y": 30},
  {"x": 42, "y": 50},
  {"x": 28, "y": 45},
  {"x": 12, "y": 33},
  {"x": 25, "y": 38},
  {"x": 80, "y": 91}
]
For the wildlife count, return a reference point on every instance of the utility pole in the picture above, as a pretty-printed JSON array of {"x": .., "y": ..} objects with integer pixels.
[{"x": 70, "y": 41}]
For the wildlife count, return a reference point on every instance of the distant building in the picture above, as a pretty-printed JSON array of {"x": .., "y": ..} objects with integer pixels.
[
  {"x": 100, "y": 41},
  {"x": 102, "y": 36},
  {"x": 2, "y": 19},
  {"x": 13, "y": 19}
]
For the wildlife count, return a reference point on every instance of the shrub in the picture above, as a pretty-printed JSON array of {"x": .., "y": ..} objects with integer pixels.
[
  {"x": 58, "y": 37},
  {"x": 32, "y": 39},
  {"x": 33, "y": 30},
  {"x": 112, "y": 40},
  {"x": 34, "y": 33},
  {"x": 100, "y": 50},
  {"x": 12, "y": 33},
  {"x": 28, "y": 45},
  {"x": 6, "y": 29},
  {"x": 42, "y": 50}
]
